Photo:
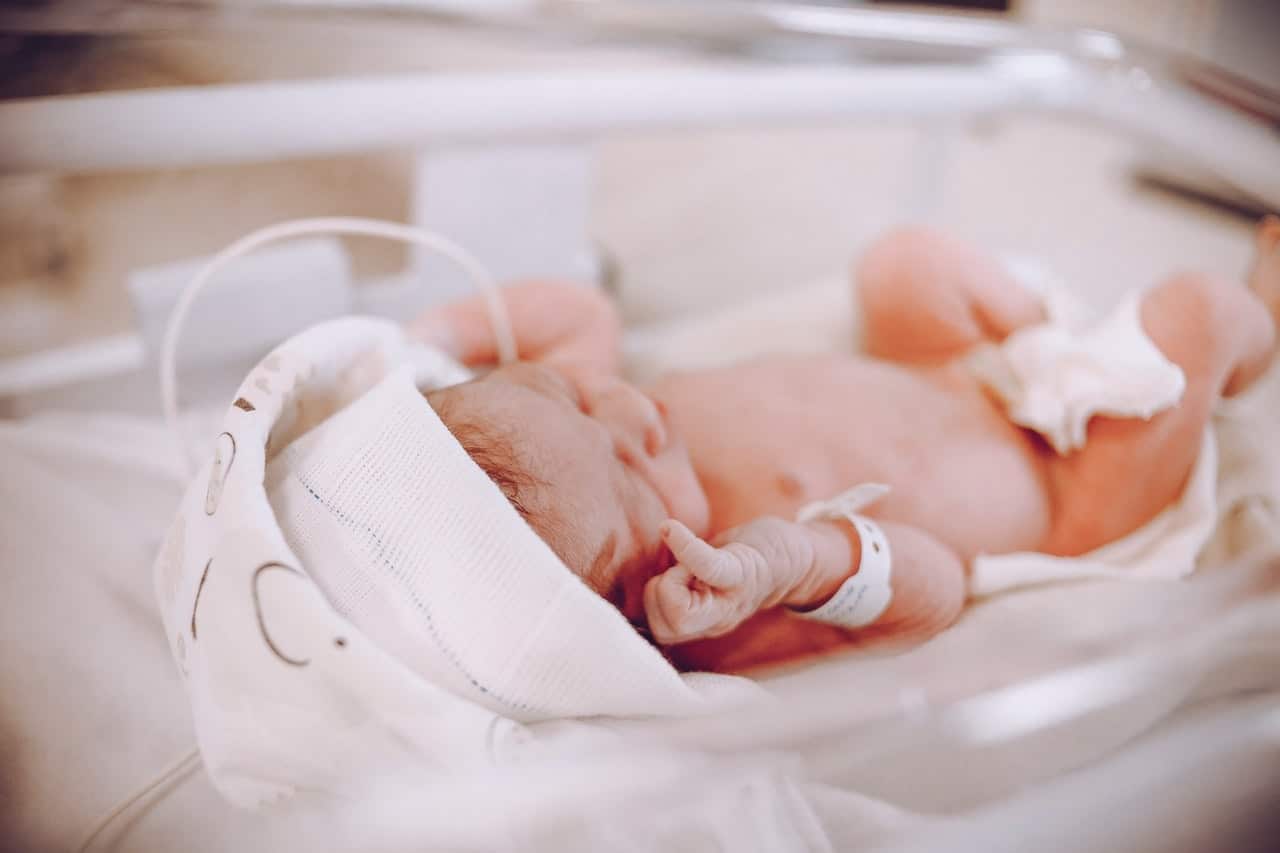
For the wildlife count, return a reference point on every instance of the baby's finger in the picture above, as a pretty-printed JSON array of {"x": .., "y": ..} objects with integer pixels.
[
  {"x": 667, "y": 600},
  {"x": 708, "y": 564},
  {"x": 679, "y": 612}
]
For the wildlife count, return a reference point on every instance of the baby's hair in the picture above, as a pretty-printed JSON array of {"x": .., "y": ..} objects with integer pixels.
[
  {"x": 489, "y": 448},
  {"x": 497, "y": 461}
]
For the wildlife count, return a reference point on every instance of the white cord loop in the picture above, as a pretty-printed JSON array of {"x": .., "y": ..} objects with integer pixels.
[
  {"x": 341, "y": 225},
  {"x": 165, "y": 779}
]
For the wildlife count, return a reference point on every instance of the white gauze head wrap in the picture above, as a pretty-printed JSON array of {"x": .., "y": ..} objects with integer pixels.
[
  {"x": 413, "y": 543},
  {"x": 343, "y": 583}
]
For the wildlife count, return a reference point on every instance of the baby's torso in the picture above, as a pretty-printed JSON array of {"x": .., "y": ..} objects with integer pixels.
[{"x": 769, "y": 436}]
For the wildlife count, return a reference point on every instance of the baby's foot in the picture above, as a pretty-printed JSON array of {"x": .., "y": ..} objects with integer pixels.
[{"x": 1264, "y": 277}]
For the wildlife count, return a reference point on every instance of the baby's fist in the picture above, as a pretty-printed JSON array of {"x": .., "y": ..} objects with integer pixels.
[{"x": 711, "y": 590}]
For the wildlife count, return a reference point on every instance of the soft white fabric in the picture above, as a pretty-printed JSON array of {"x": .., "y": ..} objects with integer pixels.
[
  {"x": 453, "y": 622},
  {"x": 1053, "y": 377},
  {"x": 415, "y": 546},
  {"x": 93, "y": 706}
]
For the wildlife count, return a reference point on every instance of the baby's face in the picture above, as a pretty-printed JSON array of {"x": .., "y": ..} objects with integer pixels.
[{"x": 599, "y": 466}]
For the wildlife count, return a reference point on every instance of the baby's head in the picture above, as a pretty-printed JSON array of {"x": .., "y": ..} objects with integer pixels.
[{"x": 590, "y": 462}]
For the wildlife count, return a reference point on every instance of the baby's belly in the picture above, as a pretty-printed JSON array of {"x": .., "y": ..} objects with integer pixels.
[{"x": 959, "y": 470}]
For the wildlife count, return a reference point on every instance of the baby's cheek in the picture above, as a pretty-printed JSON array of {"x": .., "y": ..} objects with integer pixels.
[{"x": 567, "y": 537}]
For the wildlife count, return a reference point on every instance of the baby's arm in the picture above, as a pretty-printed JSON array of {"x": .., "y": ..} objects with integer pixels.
[
  {"x": 562, "y": 323},
  {"x": 770, "y": 562}
]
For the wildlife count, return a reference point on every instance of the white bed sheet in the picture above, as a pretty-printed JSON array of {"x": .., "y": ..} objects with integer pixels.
[{"x": 92, "y": 705}]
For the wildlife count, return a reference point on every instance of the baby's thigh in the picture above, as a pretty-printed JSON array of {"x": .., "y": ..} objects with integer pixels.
[{"x": 1129, "y": 470}]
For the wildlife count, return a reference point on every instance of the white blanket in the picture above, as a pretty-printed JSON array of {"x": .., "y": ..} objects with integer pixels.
[{"x": 857, "y": 751}]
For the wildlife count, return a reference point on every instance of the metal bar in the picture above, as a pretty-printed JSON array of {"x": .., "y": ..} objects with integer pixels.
[
  {"x": 210, "y": 125},
  {"x": 961, "y": 67}
]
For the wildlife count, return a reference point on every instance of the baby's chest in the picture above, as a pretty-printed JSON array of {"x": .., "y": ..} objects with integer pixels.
[{"x": 957, "y": 467}]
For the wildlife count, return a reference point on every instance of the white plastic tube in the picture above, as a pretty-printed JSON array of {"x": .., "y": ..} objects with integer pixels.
[{"x": 351, "y": 226}]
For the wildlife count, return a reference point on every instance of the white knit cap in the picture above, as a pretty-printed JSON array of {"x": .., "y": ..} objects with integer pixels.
[
  {"x": 384, "y": 603},
  {"x": 413, "y": 543}
]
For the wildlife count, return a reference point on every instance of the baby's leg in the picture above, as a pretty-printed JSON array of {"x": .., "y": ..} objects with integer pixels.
[
  {"x": 927, "y": 298},
  {"x": 1222, "y": 335}
]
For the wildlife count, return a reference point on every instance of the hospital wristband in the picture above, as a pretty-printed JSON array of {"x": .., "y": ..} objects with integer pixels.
[{"x": 865, "y": 596}]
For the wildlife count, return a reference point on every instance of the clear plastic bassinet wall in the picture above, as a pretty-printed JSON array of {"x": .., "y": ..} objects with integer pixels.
[{"x": 715, "y": 168}]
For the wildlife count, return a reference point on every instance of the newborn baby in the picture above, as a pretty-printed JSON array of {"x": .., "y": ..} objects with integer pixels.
[{"x": 675, "y": 500}]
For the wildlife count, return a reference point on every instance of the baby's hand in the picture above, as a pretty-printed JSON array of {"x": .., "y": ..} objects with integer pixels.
[{"x": 711, "y": 590}]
